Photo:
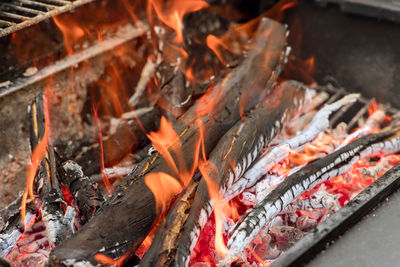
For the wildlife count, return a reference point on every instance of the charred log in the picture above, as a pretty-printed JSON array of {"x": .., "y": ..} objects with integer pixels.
[
  {"x": 86, "y": 194},
  {"x": 126, "y": 219},
  {"x": 129, "y": 135},
  {"x": 163, "y": 247},
  {"x": 319, "y": 123},
  {"x": 234, "y": 153},
  {"x": 58, "y": 226}
]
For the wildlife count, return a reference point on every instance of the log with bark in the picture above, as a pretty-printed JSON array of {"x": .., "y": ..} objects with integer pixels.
[
  {"x": 233, "y": 154},
  {"x": 124, "y": 221}
]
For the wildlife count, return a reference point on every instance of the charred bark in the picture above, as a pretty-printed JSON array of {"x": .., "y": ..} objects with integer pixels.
[
  {"x": 58, "y": 226},
  {"x": 163, "y": 247},
  {"x": 86, "y": 194},
  {"x": 125, "y": 220},
  {"x": 130, "y": 135},
  {"x": 234, "y": 153}
]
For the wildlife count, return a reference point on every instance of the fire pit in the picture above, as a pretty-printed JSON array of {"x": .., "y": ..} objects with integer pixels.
[{"x": 180, "y": 133}]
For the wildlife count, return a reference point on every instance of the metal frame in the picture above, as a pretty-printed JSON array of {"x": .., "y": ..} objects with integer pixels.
[
  {"x": 317, "y": 240},
  {"x": 18, "y": 14}
]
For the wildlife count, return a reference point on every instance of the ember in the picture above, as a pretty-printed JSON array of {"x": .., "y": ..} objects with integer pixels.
[{"x": 188, "y": 148}]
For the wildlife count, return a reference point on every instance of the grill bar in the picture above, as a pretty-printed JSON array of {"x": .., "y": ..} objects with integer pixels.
[
  {"x": 34, "y": 11},
  {"x": 38, "y": 4}
]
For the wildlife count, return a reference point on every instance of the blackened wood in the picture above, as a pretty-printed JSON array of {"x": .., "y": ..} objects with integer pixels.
[
  {"x": 50, "y": 193},
  {"x": 126, "y": 219},
  {"x": 84, "y": 190},
  {"x": 4, "y": 263},
  {"x": 130, "y": 135},
  {"x": 234, "y": 154},
  {"x": 163, "y": 247}
]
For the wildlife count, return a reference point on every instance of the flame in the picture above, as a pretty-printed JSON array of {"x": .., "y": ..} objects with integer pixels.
[
  {"x": 171, "y": 13},
  {"x": 209, "y": 170},
  {"x": 372, "y": 107},
  {"x": 38, "y": 153},
  {"x": 71, "y": 33},
  {"x": 164, "y": 139},
  {"x": 235, "y": 40},
  {"x": 167, "y": 142},
  {"x": 164, "y": 187},
  {"x": 104, "y": 175},
  {"x": 105, "y": 260}
]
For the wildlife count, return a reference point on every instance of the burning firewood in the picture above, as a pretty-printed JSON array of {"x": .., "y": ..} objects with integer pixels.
[
  {"x": 233, "y": 154},
  {"x": 85, "y": 192},
  {"x": 240, "y": 146},
  {"x": 314, "y": 173},
  {"x": 59, "y": 226},
  {"x": 319, "y": 123},
  {"x": 127, "y": 217}
]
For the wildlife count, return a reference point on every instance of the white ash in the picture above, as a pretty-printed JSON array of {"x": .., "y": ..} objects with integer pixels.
[
  {"x": 320, "y": 199},
  {"x": 383, "y": 165},
  {"x": 373, "y": 122},
  {"x": 8, "y": 240},
  {"x": 76, "y": 263},
  {"x": 319, "y": 124},
  {"x": 58, "y": 227}
]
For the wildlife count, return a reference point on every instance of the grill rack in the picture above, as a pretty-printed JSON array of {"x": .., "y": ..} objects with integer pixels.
[{"x": 18, "y": 14}]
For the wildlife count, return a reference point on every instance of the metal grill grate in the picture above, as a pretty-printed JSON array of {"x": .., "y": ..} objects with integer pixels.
[{"x": 19, "y": 14}]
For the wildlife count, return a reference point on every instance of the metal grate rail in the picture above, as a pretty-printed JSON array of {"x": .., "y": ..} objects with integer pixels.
[{"x": 19, "y": 14}]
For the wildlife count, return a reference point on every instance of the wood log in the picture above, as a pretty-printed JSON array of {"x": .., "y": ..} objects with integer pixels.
[
  {"x": 127, "y": 217},
  {"x": 84, "y": 190},
  {"x": 163, "y": 247},
  {"x": 234, "y": 153},
  {"x": 58, "y": 227}
]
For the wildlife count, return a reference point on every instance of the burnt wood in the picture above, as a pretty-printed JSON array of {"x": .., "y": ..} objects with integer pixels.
[
  {"x": 124, "y": 221},
  {"x": 234, "y": 154},
  {"x": 84, "y": 190},
  {"x": 163, "y": 247}
]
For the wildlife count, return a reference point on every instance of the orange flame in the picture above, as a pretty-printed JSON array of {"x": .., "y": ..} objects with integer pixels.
[
  {"x": 71, "y": 33},
  {"x": 37, "y": 156},
  {"x": 104, "y": 175},
  {"x": 209, "y": 170},
  {"x": 103, "y": 259},
  {"x": 171, "y": 13},
  {"x": 166, "y": 141},
  {"x": 235, "y": 40},
  {"x": 164, "y": 187}
]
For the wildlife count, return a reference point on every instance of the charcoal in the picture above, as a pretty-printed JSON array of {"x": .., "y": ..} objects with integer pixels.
[{"x": 127, "y": 217}]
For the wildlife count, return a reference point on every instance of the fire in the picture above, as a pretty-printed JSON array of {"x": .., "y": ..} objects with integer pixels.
[
  {"x": 209, "y": 170},
  {"x": 71, "y": 32},
  {"x": 38, "y": 153},
  {"x": 164, "y": 188},
  {"x": 171, "y": 13},
  {"x": 104, "y": 175}
]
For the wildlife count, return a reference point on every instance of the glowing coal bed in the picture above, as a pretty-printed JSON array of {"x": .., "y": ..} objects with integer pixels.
[{"x": 310, "y": 209}]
